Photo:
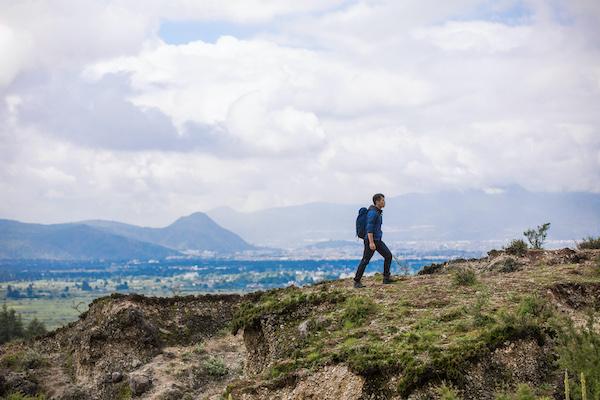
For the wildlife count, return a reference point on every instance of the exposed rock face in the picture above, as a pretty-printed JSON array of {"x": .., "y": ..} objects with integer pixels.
[
  {"x": 578, "y": 295},
  {"x": 326, "y": 341},
  {"x": 330, "y": 383}
]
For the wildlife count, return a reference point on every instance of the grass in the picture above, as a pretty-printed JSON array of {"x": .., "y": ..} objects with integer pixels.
[
  {"x": 356, "y": 311},
  {"x": 464, "y": 276},
  {"x": 579, "y": 350},
  {"x": 280, "y": 302},
  {"x": 427, "y": 327},
  {"x": 23, "y": 360},
  {"x": 433, "y": 346}
]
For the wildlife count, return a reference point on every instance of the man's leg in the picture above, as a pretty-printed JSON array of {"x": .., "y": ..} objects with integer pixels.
[
  {"x": 387, "y": 257},
  {"x": 367, "y": 254}
]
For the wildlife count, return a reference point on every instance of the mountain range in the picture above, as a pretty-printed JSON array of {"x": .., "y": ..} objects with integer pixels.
[
  {"x": 472, "y": 215},
  {"x": 110, "y": 240},
  {"x": 462, "y": 217}
]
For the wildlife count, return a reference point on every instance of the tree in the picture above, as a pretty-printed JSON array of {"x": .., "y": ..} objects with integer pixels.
[
  {"x": 11, "y": 325},
  {"x": 35, "y": 328},
  {"x": 12, "y": 293},
  {"x": 537, "y": 237}
]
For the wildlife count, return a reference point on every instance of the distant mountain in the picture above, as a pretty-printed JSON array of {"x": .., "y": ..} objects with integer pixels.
[
  {"x": 444, "y": 216},
  {"x": 71, "y": 241},
  {"x": 197, "y": 232}
]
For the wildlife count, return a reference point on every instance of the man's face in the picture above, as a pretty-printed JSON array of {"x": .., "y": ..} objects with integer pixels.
[{"x": 380, "y": 203}]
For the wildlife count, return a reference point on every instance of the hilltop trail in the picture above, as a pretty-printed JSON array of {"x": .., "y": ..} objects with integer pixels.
[{"x": 325, "y": 341}]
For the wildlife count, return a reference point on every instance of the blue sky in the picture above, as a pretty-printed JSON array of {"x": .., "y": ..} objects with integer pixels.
[{"x": 181, "y": 32}]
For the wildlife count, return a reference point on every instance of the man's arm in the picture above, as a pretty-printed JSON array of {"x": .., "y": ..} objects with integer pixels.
[
  {"x": 371, "y": 216},
  {"x": 371, "y": 240}
]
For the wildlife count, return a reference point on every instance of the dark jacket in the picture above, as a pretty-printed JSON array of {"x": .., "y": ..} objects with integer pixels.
[{"x": 374, "y": 221}]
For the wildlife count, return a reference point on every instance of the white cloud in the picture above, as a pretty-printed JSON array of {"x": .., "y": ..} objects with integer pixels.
[
  {"x": 14, "y": 48},
  {"x": 334, "y": 101},
  {"x": 477, "y": 36}
]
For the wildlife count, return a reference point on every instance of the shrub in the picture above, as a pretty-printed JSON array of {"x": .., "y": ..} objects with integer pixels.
[
  {"x": 35, "y": 328},
  {"x": 538, "y": 236},
  {"x": 517, "y": 247},
  {"x": 479, "y": 318},
  {"x": 579, "y": 352},
  {"x": 464, "y": 277},
  {"x": 533, "y": 308},
  {"x": 23, "y": 360},
  {"x": 589, "y": 243},
  {"x": 215, "y": 366},
  {"x": 446, "y": 392}
]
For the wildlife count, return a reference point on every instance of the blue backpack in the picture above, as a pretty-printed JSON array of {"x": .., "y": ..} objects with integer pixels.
[{"x": 361, "y": 223}]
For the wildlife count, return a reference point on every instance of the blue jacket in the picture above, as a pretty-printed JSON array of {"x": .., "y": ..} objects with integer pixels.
[{"x": 374, "y": 221}]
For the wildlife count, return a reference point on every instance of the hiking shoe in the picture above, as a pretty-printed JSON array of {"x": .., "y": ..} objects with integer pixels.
[
  {"x": 358, "y": 284},
  {"x": 389, "y": 280}
]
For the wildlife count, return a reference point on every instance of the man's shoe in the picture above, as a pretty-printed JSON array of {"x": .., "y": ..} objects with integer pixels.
[
  {"x": 388, "y": 280},
  {"x": 358, "y": 284}
]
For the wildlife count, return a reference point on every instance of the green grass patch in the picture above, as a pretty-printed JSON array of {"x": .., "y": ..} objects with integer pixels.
[
  {"x": 280, "y": 301},
  {"x": 356, "y": 310},
  {"x": 23, "y": 360},
  {"x": 464, "y": 276}
]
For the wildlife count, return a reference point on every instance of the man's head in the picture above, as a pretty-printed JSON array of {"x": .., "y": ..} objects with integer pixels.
[{"x": 379, "y": 200}]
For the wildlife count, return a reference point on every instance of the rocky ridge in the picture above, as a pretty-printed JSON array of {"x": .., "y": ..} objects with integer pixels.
[{"x": 325, "y": 341}]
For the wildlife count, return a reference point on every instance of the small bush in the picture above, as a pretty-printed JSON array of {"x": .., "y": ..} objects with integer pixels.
[
  {"x": 508, "y": 265},
  {"x": 464, "y": 277},
  {"x": 23, "y": 360},
  {"x": 579, "y": 352},
  {"x": 215, "y": 366},
  {"x": 479, "y": 318},
  {"x": 517, "y": 247},
  {"x": 199, "y": 348},
  {"x": 446, "y": 392},
  {"x": 589, "y": 243},
  {"x": 533, "y": 306},
  {"x": 537, "y": 237}
]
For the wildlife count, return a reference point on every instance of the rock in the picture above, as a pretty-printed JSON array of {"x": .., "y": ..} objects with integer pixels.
[
  {"x": 19, "y": 382},
  {"x": 135, "y": 363},
  {"x": 171, "y": 394},
  {"x": 73, "y": 393},
  {"x": 303, "y": 328},
  {"x": 116, "y": 377},
  {"x": 139, "y": 383}
]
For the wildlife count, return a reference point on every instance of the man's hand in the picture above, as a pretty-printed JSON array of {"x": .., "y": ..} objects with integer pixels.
[{"x": 371, "y": 240}]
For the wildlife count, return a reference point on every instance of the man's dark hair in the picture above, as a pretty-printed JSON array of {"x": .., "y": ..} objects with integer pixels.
[{"x": 377, "y": 197}]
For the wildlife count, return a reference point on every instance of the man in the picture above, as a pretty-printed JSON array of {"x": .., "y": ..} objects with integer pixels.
[{"x": 372, "y": 242}]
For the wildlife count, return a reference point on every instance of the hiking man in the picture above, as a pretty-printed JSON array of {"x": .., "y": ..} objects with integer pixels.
[{"x": 372, "y": 242}]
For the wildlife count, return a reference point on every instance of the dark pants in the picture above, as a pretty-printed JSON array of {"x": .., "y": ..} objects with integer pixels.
[{"x": 368, "y": 253}]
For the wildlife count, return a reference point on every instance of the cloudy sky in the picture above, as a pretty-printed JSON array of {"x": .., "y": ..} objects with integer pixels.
[{"x": 145, "y": 111}]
